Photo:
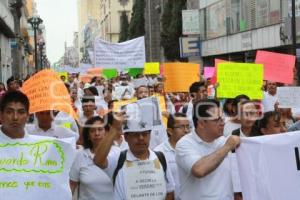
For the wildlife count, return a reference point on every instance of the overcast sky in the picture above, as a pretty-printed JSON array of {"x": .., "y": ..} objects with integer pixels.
[{"x": 60, "y": 19}]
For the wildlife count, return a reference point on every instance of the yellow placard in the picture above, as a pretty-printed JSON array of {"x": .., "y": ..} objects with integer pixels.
[
  {"x": 65, "y": 74},
  {"x": 240, "y": 78},
  {"x": 180, "y": 76},
  {"x": 46, "y": 91},
  {"x": 152, "y": 68}
]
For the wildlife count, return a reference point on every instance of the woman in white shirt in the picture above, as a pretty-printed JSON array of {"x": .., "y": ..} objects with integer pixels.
[{"x": 92, "y": 182}]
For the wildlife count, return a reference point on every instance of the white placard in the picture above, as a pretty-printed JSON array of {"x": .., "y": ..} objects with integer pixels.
[
  {"x": 190, "y": 22},
  {"x": 35, "y": 168},
  {"x": 129, "y": 54},
  {"x": 288, "y": 97},
  {"x": 140, "y": 81},
  {"x": 269, "y": 167},
  {"x": 144, "y": 180}
]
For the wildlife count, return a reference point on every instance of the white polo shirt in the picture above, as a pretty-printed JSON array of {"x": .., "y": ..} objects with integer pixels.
[
  {"x": 215, "y": 186},
  {"x": 119, "y": 187},
  {"x": 54, "y": 131},
  {"x": 158, "y": 136},
  {"x": 94, "y": 184},
  {"x": 169, "y": 153}
]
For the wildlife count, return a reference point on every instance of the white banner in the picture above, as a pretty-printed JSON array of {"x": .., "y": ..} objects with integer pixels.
[
  {"x": 129, "y": 54},
  {"x": 35, "y": 168},
  {"x": 288, "y": 97},
  {"x": 269, "y": 167}
]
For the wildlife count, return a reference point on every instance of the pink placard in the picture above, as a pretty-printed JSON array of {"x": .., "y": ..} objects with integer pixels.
[
  {"x": 209, "y": 72},
  {"x": 277, "y": 67}
]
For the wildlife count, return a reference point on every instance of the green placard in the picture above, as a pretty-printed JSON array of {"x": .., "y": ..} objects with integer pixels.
[{"x": 110, "y": 73}]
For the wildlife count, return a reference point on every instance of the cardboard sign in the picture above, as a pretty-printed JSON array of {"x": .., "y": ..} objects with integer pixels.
[
  {"x": 120, "y": 55},
  {"x": 288, "y": 97},
  {"x": 110, "y": 73},
  {"x": 85, "y": 78},
  {"x": 46, "y": 91},
  {"x": 95, "y": 71},
  {"x": 240, "y": 78},
  {"x": 152, "y": 68},
  {"x": 213, "y": 79},
  {"x": 180, "y": 76},
  {"x": 35, "y": 168},
  {"x": 277, "y": 67},
  {"x": 209, "y": 72},
  {"x": 269, "y": 166}
]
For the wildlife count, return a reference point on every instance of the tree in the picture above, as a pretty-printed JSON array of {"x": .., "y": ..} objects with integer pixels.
[
  {"x": 137, "y": 22},
  {"x": 172, "y": 28},
  {"x": 124, "y": 27}
]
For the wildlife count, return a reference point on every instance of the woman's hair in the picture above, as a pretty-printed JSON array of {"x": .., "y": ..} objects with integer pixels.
[
  {"x": 87, "y": 143},
  {"x": 263, "y": 123}
]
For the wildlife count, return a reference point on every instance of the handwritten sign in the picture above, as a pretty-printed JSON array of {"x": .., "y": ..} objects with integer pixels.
[
  {"x": 85, "y": 78},
  {"x": 144, "y": 180},
  {"x": 180, "y": 76},
  {"x": 120, "y": 55},
  {"x": 271, "y": 170},
  {"x": 152, "y": 68},
  {"x": 35, "y": 168},
  {"x": 46, "y": 91},
  {"x": 209, "y": 72},
  {"x": 110, "y": 73},
  {"x": 95, "y": 71},
  {"x": 213, "y": 79},
  {"x": 277, "y": 67},
  {"x": 288, "y": 97},
  {"x": 240, "y": 78}
]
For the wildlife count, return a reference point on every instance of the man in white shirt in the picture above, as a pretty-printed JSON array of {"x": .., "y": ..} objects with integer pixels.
[
  {"x": 270, "y": 97},
  {"x": 203, "y": 166},
  {"x": 46, "y": 127},
  {"x": 178, "y": 126},
  {"x": 142, "y": 174}
]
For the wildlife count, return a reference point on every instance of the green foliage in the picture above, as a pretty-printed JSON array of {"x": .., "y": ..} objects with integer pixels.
[
  {"x": 124, "y": 27},
  {"x": 172, "y": 28},
  {"x": 137, "y": 22}
]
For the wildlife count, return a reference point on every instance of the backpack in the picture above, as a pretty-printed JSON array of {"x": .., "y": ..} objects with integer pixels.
[{"x": 122, "y": 158}]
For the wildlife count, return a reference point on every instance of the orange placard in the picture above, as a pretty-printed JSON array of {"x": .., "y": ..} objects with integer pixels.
[
  {"x": 96, "y": 71},
  {"x": 85, "y": 78},
  {"x": 180, "y": 76},
  {"x": 46, "y": 91}
]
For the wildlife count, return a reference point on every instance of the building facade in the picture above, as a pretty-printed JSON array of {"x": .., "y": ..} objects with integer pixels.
[
  {"x": 234, "y": 29},
  {"x": 110, "y": 17}
]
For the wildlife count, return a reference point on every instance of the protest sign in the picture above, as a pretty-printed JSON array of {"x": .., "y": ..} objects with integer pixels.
[
  {"x": 209, "y": 72},
  {"x": 288, "y": 97},
  {"x": 240, "y": 78},
  {"x": 269, "y": 167},
  {"x": 85, "y": 78},
  {"x": 95, "y": 71},
  {"x": 139, "y": 186},
  {"x": 35, "y": 168},
  {"x": 119, "y": 104},
  {"x": 109, "y": 73},
  {"x": 152, "y": 68},
  {"x": 144, "y": 111},
  {"x": 120, "y": 55},
  {"x": 133, "y": 72},
  {"x": 46, "y": 91},
  {"x": 180, "y": 76},
  {"x": 213, "y": 79},
  {"x": 277, "y": 67},
  {"x": 65, "y": 74}
]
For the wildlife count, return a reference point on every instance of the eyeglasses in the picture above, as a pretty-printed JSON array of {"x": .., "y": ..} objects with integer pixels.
[{"x": 183, "y": 127}]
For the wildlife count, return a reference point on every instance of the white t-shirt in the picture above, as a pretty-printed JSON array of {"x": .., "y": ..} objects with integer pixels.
[
  {"x": 268, "y": 102},
  {"x": 63, "y": 118},
  {"x": 229, "y": 127},
  {"x": 55, "y": 131},
  {"x": 94, "y": 184},
  {"x": 169, "y": 153},
  {"x": 215, "y": 186},
  {"x": 119, "y": 187}
]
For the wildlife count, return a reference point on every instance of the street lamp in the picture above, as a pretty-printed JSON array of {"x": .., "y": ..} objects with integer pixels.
[
  {"x": 41, "y": 44},
  {"x": 35, "y": 21}
]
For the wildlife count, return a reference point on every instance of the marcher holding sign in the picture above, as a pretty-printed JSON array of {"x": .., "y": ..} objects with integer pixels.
[
  {"x": 31, "y": 167},
  {"x": 138, "y": 173},
  {"x": 201, "y": 156}
]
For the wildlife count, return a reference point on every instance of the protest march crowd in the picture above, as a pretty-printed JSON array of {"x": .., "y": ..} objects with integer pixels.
[{"x": 132, "y": 140}]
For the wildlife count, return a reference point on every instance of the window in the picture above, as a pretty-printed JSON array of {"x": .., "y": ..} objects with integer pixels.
[
  {"x": 262, "y": 13},
  {"x": 234, "y": 18},
  {"x": 216, "y": 20},
  {"x": 275, "y": 11}
]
